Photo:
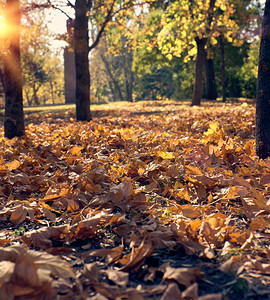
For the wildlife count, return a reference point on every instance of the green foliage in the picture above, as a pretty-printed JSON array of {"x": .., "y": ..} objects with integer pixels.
[
  {"x": 185, "y": 20},
  {"x": 241, "y": 69},
  {"x": 43, "y": 79},
  {"x": 19, "y": 232},
  {"x": 249, "y": 71}
]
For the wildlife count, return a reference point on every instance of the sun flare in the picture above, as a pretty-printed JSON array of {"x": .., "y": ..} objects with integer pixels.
[{"x": 3, "y": 27}]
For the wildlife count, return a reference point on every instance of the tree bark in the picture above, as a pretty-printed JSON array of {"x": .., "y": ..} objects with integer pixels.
[
  {"x": 81, "y": 50},
  {"x": 14, "y": 118},
  {"x": 263, "y": 89},
  {"x": 223, "y": 70},
  {"x": 211, "y": 90},
  {"x": 69, "y": 76},
  {"x": 129, "y": 78},
  {"x": 201, "y": 54}
]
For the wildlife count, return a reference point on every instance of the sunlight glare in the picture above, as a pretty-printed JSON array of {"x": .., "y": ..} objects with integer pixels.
[{"x": 3, "y": 27}]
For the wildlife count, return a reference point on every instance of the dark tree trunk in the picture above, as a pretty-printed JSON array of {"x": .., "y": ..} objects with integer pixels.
[
  {"x": 81, "y": 49},
  {"x": 127, "y": 64},
  {"x": 201, "y": 54},
  {"x": 35, "y": 96},
  {"x": 129, "y": 78},
  {"x": 263, "y": 89},
  {"x": 14, "y": 118},
  {"x": 223, "y": 70},
  {"x": 211, "y": 90}
]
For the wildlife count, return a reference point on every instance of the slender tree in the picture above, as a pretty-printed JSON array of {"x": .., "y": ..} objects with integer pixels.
[
  {"x": 102, "y": 13},
  {"x": 14, "y": 118},
  {"x": 190, "y": 28},
  {"x": 263, "y": 89},
  {"x": 81, "y": 49}
]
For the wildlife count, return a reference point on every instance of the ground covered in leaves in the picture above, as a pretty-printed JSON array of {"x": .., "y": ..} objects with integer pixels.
[{"x": 151, "y": 200}]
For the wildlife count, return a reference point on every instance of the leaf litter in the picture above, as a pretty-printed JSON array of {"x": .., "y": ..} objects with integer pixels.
[{"x": 149, "y": 200}]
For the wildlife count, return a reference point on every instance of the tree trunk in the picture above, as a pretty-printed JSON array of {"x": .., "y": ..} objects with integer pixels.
[
  {"x": 211, "y": 90},
  {"x": 114, "y": 94},
  {"x": 223, "y": 70},
  {"x": 14, "y": 118},
  {"x": 115, "y": 83},
  {"x": 69, "y": 76},
  {"x": 263, "y": 90},
  {"x": 35, "y": 96},
  {"x": 127, "y": 65},
  {"x": 129, "y": 78},
  {"x": 81, "y": 49},
  {"x": 201, "y": 54}
]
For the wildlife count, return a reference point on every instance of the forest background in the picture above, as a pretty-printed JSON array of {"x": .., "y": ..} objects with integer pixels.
[{"x": 134, "y": 61}]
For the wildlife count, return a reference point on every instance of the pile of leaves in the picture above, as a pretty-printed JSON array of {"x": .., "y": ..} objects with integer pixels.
[{"x": 150, "y": 200}]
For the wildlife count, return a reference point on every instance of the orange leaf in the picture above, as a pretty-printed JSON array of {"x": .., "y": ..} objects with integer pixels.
[
  {"x": 190, "y": 211},
  {"x": 14, "y": 165}
]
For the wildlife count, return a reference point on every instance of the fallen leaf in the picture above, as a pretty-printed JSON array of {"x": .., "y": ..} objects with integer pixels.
[
  {"x": 183, "y": 276},
  {"x": 172, "y": 292},
  {"x": 136, "y": 258},
  {"x": 13, "y": 165},
  {"x": 112, "y": 255},
  {"x": 118, "y": 277}
]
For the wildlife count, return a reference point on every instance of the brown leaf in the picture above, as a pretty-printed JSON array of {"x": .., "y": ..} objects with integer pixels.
[
  {"x": 265, "y": 179},
  {"x": 27, "y": 280},
  {"x": 190, "y": 211},
  {"x": 191, "y": 292},
  {"x": 254, "y": 264},
  {"x": 54, "y": 193},
  {"x": 260, "y": 200},
  {"x": 183, "y": 276},
  {"x": 18, "y": 215},
  {"x": 57, "y": 267},
  {"x": 13, "y": 165},
  {"x": 20, "y": 212},
  {"x": 193, "y": 170},
  {"x": 260, "y": 222},
  {"x": 118, "y": 277},
  {"x": 231, "y": 265},
  {"x": 112, "y": 255},
  {"x": 42, "y": 238},
  {"x": 237, "y": 191},
  {"x": 6, "y": 270},
  {"x": 136, "y": 258},
  {"x": 172, "y": 292},
  {"x": 84, "y": 229},
  {"x": 91, "y": 272}
]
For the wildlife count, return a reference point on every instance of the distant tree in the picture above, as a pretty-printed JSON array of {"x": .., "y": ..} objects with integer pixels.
[
  {"x": 14, "y": 118},
  {"x": 190, "y": 28},
  {"x": 34, "y": 76},
  {"x": 120, "y": 51},
  {"x": 102, "y": 13},
  {"x": 35, "y": 48},
  {"x": 263, "y": 89},
  {"x": 112, "y": 70}
]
